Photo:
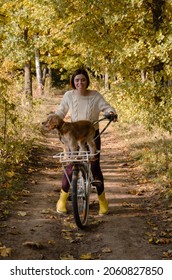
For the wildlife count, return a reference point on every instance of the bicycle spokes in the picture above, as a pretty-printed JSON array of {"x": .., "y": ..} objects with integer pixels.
[{"x": 80, "y": 197}]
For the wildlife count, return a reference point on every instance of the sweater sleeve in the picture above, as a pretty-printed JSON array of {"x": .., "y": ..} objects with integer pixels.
[
  {"x": 63, "y": 108},
  {"x": 104, "y": 106}
]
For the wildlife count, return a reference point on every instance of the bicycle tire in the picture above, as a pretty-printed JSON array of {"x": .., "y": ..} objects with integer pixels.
[{"x": 80, "y": 196}]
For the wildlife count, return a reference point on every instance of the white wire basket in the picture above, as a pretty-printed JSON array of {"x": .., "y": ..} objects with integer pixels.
[{"x": 76, "y": 156}]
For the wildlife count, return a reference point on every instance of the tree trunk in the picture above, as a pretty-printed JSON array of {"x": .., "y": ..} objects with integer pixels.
[
  {"x": 143, "y": 75},
  {"x": 157, "y": 12},
  {"x": 50, "y": 78},
  {"x": 27, "y": 71},
  {"x": 5, "y": 123},
  {"x": 28, "y": 80},
  {"x": 38, "y": 72},
  {"x": 106, "y": 80},
  {"x": 44, "y": 74},
  {"x": 158, "y": 77}
]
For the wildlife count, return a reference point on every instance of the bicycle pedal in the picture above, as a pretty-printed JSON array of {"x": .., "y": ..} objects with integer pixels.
[{"x": 96, "y": 183}]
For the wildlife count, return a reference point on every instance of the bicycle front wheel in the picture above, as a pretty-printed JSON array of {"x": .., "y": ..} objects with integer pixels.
[{"x": 80, "y": 196}]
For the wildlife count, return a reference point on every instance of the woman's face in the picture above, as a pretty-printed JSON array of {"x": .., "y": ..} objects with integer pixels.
[{"x": 80, "y": 82}]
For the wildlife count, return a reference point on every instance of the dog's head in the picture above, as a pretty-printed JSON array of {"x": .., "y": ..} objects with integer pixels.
[{"x": 53, "y": 121}]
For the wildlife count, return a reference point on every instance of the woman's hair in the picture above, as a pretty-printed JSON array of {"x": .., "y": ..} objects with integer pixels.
[{"x": 78, "y": 72}]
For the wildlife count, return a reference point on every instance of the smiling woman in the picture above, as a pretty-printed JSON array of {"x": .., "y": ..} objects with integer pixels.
[
  {"x": 84, "y": 104},
  {"x": 81, "y": 84},
  {"x": 80, "y": 81}
]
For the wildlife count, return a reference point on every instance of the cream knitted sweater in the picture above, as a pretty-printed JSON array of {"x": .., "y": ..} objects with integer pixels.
[{"x": 83, "y": 107}]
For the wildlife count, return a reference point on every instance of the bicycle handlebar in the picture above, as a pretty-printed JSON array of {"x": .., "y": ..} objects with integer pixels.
[{"x": 111, "y": 116}]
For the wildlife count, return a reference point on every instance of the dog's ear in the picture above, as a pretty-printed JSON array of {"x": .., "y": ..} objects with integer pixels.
[{"x": 59, "y": 122}]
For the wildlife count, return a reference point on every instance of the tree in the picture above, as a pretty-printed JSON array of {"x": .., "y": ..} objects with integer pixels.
[
  {"x": 26, "y": 32},
  {"x": 128, "y": 39}
]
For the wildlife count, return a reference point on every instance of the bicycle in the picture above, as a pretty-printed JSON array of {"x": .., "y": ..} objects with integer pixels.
[{"x": 82, "y": 179}]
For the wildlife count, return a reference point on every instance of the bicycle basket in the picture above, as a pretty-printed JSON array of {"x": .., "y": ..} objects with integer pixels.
[{"x": 77, "y": 156}]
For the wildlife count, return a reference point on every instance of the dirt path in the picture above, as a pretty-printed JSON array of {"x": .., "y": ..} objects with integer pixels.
[{"x": 35, "y": 231}]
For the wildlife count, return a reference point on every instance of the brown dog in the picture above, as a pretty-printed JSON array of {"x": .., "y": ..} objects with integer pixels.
[{"x": 73, "y": 134}]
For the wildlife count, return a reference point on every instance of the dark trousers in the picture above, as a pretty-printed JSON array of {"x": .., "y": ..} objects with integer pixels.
[{"x": 95, "y": 168}]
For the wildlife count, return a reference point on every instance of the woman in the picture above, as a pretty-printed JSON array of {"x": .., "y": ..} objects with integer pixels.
[{"x": 84, "y": 104}]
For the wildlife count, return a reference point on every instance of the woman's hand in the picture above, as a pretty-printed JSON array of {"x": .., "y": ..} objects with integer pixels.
[{"x": 111, "y": 116}]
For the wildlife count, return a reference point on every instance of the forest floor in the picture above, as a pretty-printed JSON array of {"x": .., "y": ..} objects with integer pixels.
[{"x": 138, "y": 226}]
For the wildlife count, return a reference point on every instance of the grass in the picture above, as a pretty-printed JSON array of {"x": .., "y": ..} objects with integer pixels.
[
  {"x": 23, "y": 135},
  {"x": 152, "y": 152}
]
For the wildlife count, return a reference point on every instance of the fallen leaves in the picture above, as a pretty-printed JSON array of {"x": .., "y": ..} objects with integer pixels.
[
  {"x": 52, "y": 217},
  {"x": 138, "y": 192},
  {"x": 95, "y": 255},
  {"x": 157, "y": 241},
  {"x": 51, "y": 242},
  {"x": 21, "y": 213},
  {"x": 66, "y": 257},
  {"x": 24, "y": 193},
  {"x": 87, "y": 256},
  {"x": 106, "y": 250},
  {"x": 158, "y": 237},
  {"x": 34, "y": 182},
  {"x": 46, "y": 211},
  {"x": 166, "y": 234},
  {"x": 68, "y": 234},
  {"x": 167, "y": 254},
  {"x": 131, "y": 205},
  {"x": 5, "y": 252},
  {"x": 14, "y": 231},
  {"x": 33, "y": 245},
  {"x": 69, "y": 222},
  {"x": 97, "y": 222}
]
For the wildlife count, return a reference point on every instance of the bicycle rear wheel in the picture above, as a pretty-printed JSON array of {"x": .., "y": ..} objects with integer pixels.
[{"x": 80, "y": 196}]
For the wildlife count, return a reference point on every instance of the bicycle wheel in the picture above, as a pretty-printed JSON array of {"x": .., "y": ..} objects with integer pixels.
[{"x": 80, "y": 196}]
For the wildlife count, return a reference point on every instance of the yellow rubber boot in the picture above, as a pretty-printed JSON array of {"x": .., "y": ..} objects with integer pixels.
[
  {"x": 103, "y": 210},
  {"x": 61, "y": 203}
]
